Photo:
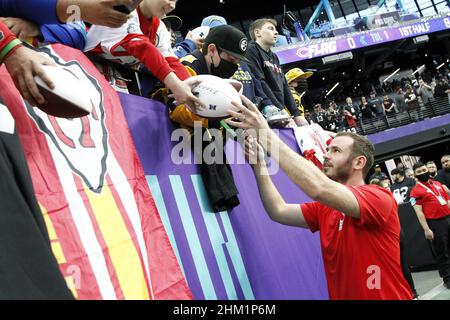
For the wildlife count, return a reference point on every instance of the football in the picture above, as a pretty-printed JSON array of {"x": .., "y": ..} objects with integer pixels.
[
  {"x": 69, "y": 98},
  {"x": 216, "y": 94}
]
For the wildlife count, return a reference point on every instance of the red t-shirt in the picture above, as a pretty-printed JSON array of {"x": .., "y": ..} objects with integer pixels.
[
  {"x": 361, "y": 256},
  {"x": 431, "y": 207}
]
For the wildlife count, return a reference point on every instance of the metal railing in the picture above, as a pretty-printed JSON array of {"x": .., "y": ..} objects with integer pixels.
[{"x": 439, "y": 106}]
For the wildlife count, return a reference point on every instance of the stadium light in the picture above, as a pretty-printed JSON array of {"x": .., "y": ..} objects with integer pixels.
[
  {"x": 392, "y": 74},
  {"x": 331, "y": 90},
  {"x": 421, "y": 39},
  {"x": 420, "y": 68},
  {"x": 338, "y": 57},
  {"x": 440, "y": 66}
]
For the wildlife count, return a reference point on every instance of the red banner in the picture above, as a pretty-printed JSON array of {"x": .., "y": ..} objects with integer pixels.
[{"x": 105, "y": 229}]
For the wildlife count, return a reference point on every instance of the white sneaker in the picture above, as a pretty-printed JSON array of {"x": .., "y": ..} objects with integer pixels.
[{"x": 274, "y": 115}]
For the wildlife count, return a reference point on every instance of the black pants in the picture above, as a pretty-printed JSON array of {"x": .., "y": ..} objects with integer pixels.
[
  {"x": 28, "y": 269},
  {"x": 441, "y": 245},
  {"x": 405, "y": 267}
]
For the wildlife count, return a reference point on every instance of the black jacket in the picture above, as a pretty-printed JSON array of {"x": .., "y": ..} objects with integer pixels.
[{"x": 266, "y": 67}]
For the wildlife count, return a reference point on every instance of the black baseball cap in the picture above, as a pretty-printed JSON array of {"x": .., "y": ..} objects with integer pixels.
[
  {"x": 229, "y": 39},
  {"x": 174, "y": 22}
]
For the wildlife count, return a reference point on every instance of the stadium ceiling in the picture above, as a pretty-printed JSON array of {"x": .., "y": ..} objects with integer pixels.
[{"x": 193, "y": 11}]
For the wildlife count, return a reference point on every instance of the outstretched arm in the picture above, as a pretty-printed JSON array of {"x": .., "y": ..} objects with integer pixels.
[
  {"x": 276, "y": 207},
  {"x": 302, "y": 172}
]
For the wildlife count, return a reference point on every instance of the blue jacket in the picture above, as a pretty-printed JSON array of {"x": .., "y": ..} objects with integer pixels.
[
  {"x": 43, "y": 13},
  {"x": 184, "y": 48}
]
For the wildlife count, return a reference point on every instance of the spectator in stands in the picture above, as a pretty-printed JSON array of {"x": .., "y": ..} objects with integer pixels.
[
  {"x": 144, "y": 39},
  {"x": 193, "y": 41},
  {"x": 319, "y": 116},
  {"x": 425, "y": 91},
  {"x": 383, "y": 184},
  {"x": 401, "y": 189},
  {"x": 22, "y": 64},
  {"x": 399, "y": 99},
  {"x": 388, "y": 105},
  {"x": 330, "y": 116},
  {"x": 378, "y": 174},
  {"x": 442, "y": 88},
  {"x": 375, "y": 104},
  {"x": 252, "y": 88},
  {"x": 352, "y": 108},
  {"x": 222, "y": 51},
  {"x": 400, "y": 166},
  {"x": 366, "y": 111},
  {"x": 195, "y": 38},
  {"x": 411, "y": 98},
  {"x": 73, "y": 35},
  {"x": 57, "y": 11},
  {"x": 409, "y": 173},
  {"x": 443, "y": 175},
  {"x": 432, "y": 206},
  {"x": 432, "y": 169},
  {"x": 298, "y": 84},
  {"x": 266, "y": 67},
  {"x": 213, "y": 21},
  {"x": 173, "y": 23},
  {"x": 349, "y": 118}
]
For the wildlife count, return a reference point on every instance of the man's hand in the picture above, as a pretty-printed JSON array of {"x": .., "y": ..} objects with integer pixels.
[
  {"x": 21, "y": 28},
  {"x": 300, "y": 121},
  {"x": 199, "y": 41},
  {"x": 100, "y": 12},
  {"x": 254, "y": 152},
  {"x": 429, "y": 235},
  {"x": 23, "y": 65},
  {"x": 249, "y": 116}
]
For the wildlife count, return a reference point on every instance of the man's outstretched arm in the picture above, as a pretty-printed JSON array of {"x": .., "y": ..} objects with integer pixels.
[
  {"x": 276, "y": 207},
  {"x": 302, "y": 172}
]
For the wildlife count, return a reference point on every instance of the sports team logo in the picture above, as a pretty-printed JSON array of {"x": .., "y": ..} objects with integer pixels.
[
  {"x": 80, "y": 138},
  {"x": 243, "y": 44}
]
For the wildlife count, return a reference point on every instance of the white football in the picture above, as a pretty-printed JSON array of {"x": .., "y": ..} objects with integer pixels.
[
  {"x": 70, "y": 97},
  {"x": 217, "y": 94}
]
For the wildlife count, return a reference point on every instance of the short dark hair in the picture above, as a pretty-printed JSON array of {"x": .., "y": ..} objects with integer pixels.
[
  {"x": 398, "y": 171},
  {"x": 258, "y": 24},
  {"x": 418, "y": 165},
  {"x": 361, "y": 147}
]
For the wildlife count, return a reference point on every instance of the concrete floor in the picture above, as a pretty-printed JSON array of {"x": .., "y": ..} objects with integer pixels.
[{"x": 429, "y": 286}]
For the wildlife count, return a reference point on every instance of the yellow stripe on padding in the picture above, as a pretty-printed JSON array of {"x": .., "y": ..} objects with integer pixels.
[
  {"x": 49, "y": 224},
  {"x": 58, "y": 252},
  {"x": 123, "y": 253},
  {"x": 71, "y": 285}
]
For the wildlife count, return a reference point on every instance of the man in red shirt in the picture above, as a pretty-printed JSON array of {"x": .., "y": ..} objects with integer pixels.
[
  {"x": 432, "y": 205},
  {"x": 358, "y": 223}
]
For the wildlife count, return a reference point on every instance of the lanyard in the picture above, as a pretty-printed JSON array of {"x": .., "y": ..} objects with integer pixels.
[{"x": 438, "y": 197}]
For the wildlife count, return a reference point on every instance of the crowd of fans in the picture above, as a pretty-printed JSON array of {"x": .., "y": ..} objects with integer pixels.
[{"x": 411, "y": 95}]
